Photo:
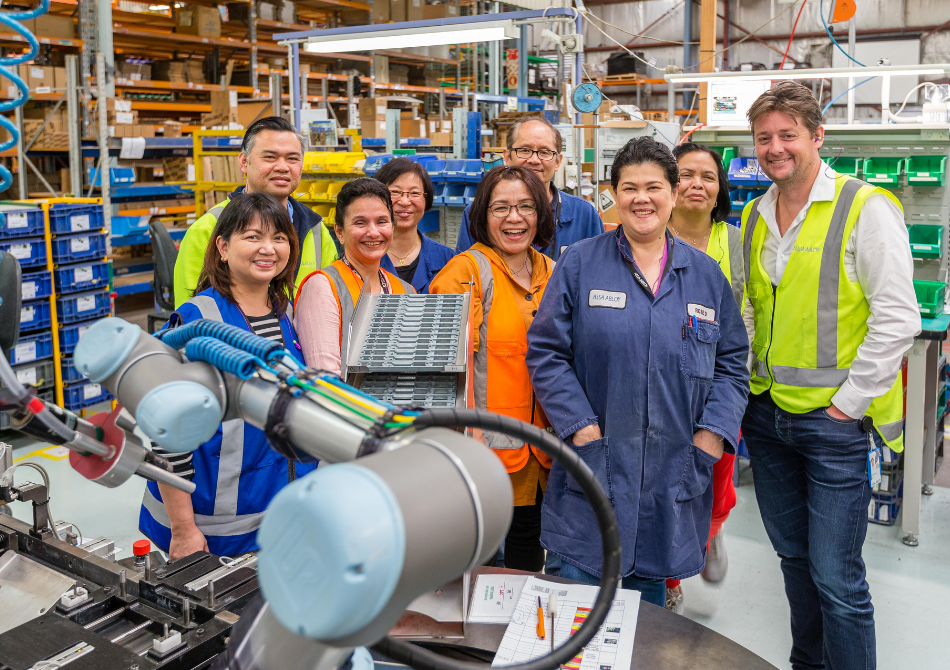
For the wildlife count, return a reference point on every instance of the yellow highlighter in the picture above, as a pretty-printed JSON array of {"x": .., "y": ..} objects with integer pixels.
[{"x": 540, "y": 619}]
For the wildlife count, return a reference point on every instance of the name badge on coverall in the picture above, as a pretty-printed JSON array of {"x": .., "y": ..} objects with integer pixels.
[
  {"x": 601, "y": 298},
  {"x": 701, "y": 312}
]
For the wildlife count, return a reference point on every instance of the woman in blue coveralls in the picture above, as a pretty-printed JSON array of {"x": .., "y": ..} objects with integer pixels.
[
  {"x": 638, "y": 357},
  {"x": 246, "y": 281},
  {"x": 412, "y": 255}
]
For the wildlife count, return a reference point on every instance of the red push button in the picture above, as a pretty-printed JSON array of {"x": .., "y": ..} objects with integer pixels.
[{"x": 141, "y": 547}]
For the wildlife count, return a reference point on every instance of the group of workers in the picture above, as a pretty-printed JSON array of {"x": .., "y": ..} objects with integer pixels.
[{"x": 648, "y": 349}]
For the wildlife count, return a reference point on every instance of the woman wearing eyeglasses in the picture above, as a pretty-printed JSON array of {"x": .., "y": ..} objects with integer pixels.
[
  {"x": 412, "y": 255},
  {"x": 508, "y": 215}
]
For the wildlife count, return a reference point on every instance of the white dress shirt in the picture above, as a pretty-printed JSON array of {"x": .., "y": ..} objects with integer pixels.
[{"x": 878, "y": 257}]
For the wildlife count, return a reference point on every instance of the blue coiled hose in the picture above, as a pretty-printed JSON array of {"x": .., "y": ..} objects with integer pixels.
[
  {"x": 10, "y": 20},
  {"x": 222, "y": 356},
  {"x": 267, "y": 350}
]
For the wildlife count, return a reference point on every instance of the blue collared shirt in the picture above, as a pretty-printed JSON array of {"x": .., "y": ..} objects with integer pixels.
[
  {"x": 578, "y": 220},
  {"x": 432, "y": 258},
  {"x": 603, "y": 350}
]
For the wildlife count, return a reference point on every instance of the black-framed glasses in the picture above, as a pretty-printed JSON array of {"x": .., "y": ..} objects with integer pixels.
[
  {"x": 502, "y": 211},
  {"x": 524, "y": 153}
]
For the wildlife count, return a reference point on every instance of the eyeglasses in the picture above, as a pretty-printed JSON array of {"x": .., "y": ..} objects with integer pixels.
[
  {"x": 412, "y": 195},
  {"x": 524, "y": 153},
  {"x": 502, "y": 211}
]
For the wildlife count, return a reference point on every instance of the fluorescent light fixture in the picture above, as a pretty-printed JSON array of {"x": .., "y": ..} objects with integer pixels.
[
  {"x": 818, "y": 73},
  {"x": 413, "y": 37}
]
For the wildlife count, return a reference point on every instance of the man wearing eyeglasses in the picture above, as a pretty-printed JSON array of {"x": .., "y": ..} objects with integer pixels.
[{"x": 535, "y": 144}]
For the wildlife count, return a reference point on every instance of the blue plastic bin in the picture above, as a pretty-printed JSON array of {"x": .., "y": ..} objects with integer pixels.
[
  {"x": 373, "y": 163},
  {"x": 454, "y": 195},
  {"x": 473, "y": 171},
  {"x": 83, "y": 306},
  {"x": 34, "y": 316},
  {"x": 83, "y": 395},
  {"x": 75, "y": 248},
  {"x": 746, "y": 171},
  {"x": 423, "y": 159},
  {"x": 20, "y": 221},
  {"x": 36, "y": 285},
  {"x": 32, "y": 348},
  {"x": 66, "y": 218},
  {"x": 469, "y": 194},
  {"x": 435, "y": 170},
  {"x": 82, "y": 277},
  {"x": 70, "y": 374},
  {"x": 30, "y": 252},
  {"x": 454, "y": 171},
  {"x": 438, "y": 192},
  {"x": 69, "y": 336},
  {"x": 117, "y": 175},
  {"x": 129, "y": 225}
]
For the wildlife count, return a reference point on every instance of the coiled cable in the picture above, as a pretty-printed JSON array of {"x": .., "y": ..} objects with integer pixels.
[
  {"x": 222, "y": 356},
  {"x": 267, "y": 350},
  {"x": 11, "y": 21}
]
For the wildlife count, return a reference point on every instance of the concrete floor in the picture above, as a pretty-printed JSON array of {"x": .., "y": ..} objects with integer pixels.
[{"x": 910, "y": 586}]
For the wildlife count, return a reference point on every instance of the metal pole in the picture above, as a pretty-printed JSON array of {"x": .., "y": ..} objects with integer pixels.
[
  {"x": 276, "y": 87},
  {"x": 851, "y": 92},
  {"x": 293, "y": 59},
  {"x": 671, "y": 101},
  {"x": 577, "y": 77},
  {"x": 72, "y": 113},
  {"x": 522, "y": 65},
  {"x": 252, "y": 36},
  {"x": 352, "y": 113},
  {"x": 105, "y": 173},
  {"x": 687, "y": 38},
  {"x": 324, "y": 92},
  {"x": 20, "y": 150}
]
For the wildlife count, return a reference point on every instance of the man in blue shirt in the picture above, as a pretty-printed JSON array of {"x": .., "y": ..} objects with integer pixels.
[{"x": 535, "y": 143}]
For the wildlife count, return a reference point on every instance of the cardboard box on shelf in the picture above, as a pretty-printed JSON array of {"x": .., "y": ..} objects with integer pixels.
[
  {"x": 48, "y": 140},
  {"x": 39, "y": 77},
  {"x": 372, "y": 109},
  {"x": 381, "y": 69},
  {"x": 415, "y": 10},
  {"x": 179, "y": 71},
  {"x": 59, "y": 78},
  {"x": 133, "y": 70},
  {"x": 57, "y": 121},
  {"x": 62, "y": 27},
  {"x": 437, "y": 125},
  {"x": 171, "y": 128},
  {"x": 200, "y": 21},
  {"x": 373, "y": 129},
  {"x": 288, "y": 13},
  {"x": 177, "y": 168},
  {"x": 380, "y": 13},
  {"x": 412, "y": 128},
  {"x": 224, "y": 109},
  {"x": 443, "y": 11},
  {"x": 266, "y": 11},
  {"x": 440, "y": 139},
  {"x": 397, "y": 10},
  {"x": 250, "y": 111}
]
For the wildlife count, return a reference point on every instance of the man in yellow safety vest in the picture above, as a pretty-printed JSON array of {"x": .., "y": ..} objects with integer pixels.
[{"x": 830, "y": 311}]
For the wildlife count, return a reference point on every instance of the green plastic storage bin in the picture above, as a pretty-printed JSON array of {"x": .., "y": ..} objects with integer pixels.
[
  {"x": 727, "y": 153},
  {"x": 844, "y": 165},
  {"x": 926, "y": 170},
  {"x": 883, "y": 171},
  {"x": 930, "y": 297},
  {"x": 925, "y": 240}
]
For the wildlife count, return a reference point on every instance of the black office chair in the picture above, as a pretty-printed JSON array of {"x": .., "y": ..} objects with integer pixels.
[{"x": 164, "y": 254}]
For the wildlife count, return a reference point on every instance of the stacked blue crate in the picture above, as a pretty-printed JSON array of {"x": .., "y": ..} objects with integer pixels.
[
  {"x": 747, "y": 182},
  {"x": 22, "y": 235},
  {"x": 81, "y": 280},
  {"x": 455, "y": 181}
]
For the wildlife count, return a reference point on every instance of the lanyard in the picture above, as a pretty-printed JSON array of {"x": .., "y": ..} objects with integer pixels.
[
  {"x": 635, "y": 271},
  {"x": 555, "y": 251},
  {"x": 383, "y": 283}
]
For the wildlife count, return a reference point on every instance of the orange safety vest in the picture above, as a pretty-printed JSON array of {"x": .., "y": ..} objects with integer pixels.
[
  {"x": 500, "y": 377},
  {"x": 347, "y": 286}
]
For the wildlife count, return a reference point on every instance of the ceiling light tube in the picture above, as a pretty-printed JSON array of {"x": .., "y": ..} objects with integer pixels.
[
  {"x": 418, "y": 37},
  {"x": 818, "y": 73}
]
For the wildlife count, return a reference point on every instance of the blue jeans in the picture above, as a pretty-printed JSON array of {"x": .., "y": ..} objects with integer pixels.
[
  {"x": 651, "y": 590},
  {"x": 811, "y": 484}
]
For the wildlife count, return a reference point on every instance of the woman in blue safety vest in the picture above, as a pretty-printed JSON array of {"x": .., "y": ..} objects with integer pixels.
[
  {"x": 638, "y": 357},
  {"x": 246, "y": 281},
  {"x": 412, "y": 256}
]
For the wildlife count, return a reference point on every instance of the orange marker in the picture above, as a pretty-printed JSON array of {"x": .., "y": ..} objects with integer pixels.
[{"x": 540, "y": 619}]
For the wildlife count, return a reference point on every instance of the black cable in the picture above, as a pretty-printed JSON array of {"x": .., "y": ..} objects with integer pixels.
[{"x": 423, "y": 659}]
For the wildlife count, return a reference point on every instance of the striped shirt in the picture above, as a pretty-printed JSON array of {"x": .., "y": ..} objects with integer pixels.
[{"x": 267, "y": 326}]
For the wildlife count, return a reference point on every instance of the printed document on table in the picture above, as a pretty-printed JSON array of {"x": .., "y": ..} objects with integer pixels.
[
  {"x": 495, "y": 597},
  {"x": 610, "y": 649}
]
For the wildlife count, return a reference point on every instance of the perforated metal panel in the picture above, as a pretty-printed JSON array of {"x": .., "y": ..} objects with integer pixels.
[
  {"x": 425, "y": 390},
  {"x": 407, "y": 331}
]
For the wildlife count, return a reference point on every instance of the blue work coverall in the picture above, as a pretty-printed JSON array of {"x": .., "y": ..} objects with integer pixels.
[
  {"x": 603, "y": 350},
  {"x": 577, "y": 220}
]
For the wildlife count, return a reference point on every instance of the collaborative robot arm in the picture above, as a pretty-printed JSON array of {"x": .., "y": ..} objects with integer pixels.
[{"x": 407, "y": 506}]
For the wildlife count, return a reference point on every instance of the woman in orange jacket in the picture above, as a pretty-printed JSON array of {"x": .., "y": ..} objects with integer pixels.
[
  {"x": 326, "y": 299},
  {"x": 510, "y": 213}
]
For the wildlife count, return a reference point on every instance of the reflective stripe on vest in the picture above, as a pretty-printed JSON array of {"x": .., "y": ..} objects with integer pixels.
[
  {"x": 808, "y": 353},
  {"x": 344, "y": 298},
  {"x": 226, "y": 520},
  {"x": 736, "y": 278}
]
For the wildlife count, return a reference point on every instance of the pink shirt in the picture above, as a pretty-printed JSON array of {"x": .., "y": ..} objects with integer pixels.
[{"x": 317, "y": 321}]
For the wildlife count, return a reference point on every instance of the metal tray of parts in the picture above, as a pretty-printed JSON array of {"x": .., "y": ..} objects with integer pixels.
[
  {"x": 409, "y": 333},
  {"x": 415, "y": 390}
]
